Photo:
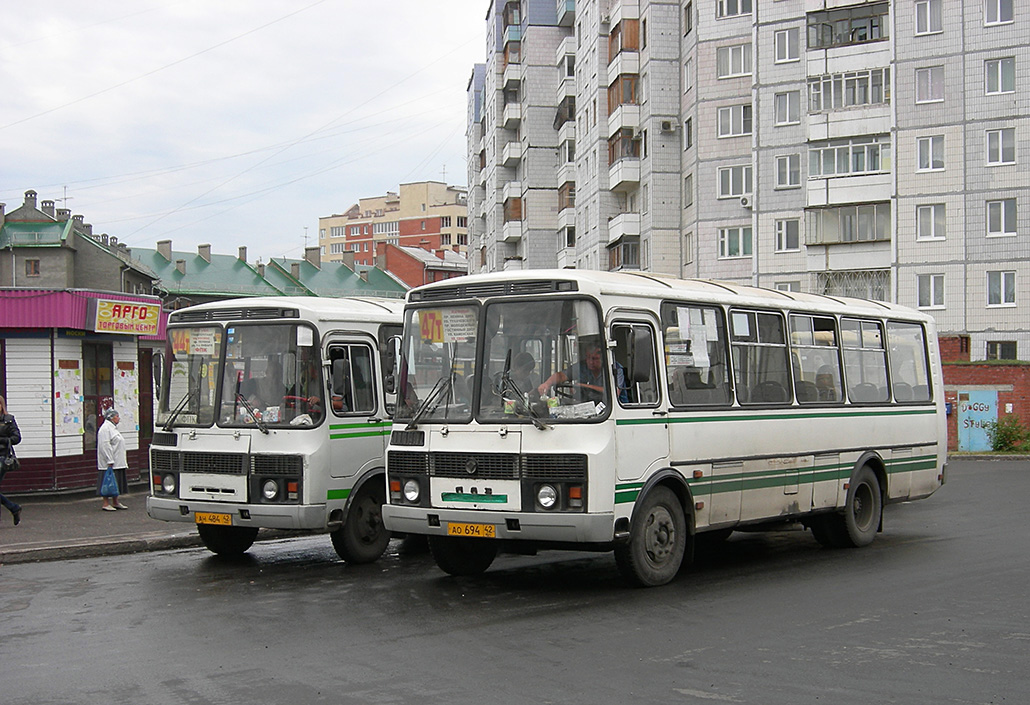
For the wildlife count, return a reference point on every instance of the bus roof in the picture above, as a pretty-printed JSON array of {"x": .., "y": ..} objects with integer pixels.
[
  {"x": 359, "y": 309},
  {"x": 650, "y": 285}
]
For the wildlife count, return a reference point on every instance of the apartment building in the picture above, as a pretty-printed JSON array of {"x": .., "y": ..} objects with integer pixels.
[
  {"x": 874, "y": 149},
  {"x": 428, "y": 214}
]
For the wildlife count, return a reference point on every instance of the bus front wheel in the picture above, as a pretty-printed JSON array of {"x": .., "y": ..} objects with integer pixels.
[
  {"x": 229, "y": 541},
  {"x": 363, "y": 537},
  {"x": 658, "y": 540},
  {"x": 462, "y": 556}
]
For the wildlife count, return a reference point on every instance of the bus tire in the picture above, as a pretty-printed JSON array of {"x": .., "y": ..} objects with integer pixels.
[
  {"x": 462, "y": 556},
  {"x": 863, "y": 509},
  {"x": 658, "y": 540},
  {"x": 363, "y": 537},
  {"x": 229, "y": 541},
  {"x": 828, "y": 530}
]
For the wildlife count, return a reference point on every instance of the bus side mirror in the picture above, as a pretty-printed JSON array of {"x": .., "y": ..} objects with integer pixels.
[
  {"x": 391, "y": 362},
  {"x": 641, "y": 357}
]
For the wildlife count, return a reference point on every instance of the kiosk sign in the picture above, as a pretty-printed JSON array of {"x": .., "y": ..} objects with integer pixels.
[{"x": 129, "y": 317}]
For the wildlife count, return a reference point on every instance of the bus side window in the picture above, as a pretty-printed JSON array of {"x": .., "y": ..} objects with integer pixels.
[
  {"x": 352, "y": 383},
  {"x": 635, "y": 360}
]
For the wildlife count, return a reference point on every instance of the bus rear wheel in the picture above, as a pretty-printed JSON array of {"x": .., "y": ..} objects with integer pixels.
[
  {"x": 229, "y": 541},
  {"x": 363, "y": 537},
  {"x": 658, "y": 540},
  {"x": 462, "y": 556},
  {"x": 858, "y": 524}
]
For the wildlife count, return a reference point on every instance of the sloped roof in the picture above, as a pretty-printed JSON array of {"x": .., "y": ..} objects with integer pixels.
[
  {"x": 336, "y": 279},
  {"x": 224, "y": 275},
  {"x": 42, "y": 234},
  {"x": 451, "y": 259}
]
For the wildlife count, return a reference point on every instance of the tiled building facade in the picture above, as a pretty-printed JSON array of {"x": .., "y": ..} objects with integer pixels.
[{"x": 875, "y": 149}]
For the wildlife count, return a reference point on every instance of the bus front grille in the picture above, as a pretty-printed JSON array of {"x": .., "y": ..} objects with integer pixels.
[
  {"x": 486, "y": 466},
  {"x": 554, "y": 466},
  {"x": 491, "y": 466},
  {"x": 276, "y": 464}
]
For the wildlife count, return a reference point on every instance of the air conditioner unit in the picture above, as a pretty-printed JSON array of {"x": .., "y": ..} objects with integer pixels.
[
  {"x": 668, "y": 126},
  {"x": 745, "y": 201}
]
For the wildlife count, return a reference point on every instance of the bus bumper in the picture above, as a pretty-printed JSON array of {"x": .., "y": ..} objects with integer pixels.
[
  {"x": 263, "y": 516},
  {"x": 518, "y": 526}
]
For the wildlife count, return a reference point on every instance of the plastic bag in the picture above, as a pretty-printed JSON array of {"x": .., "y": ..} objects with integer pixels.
[{"x": 109, "y": 486}]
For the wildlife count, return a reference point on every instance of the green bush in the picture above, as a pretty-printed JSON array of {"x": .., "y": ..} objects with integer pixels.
[{"x": 1008, "y": 434}]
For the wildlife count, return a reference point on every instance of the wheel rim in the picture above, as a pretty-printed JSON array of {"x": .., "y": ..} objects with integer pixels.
[
  {"x": 660, "y": 536},
  {"x": 862, "y": 506},
  {"x": 368, "y": 524}
]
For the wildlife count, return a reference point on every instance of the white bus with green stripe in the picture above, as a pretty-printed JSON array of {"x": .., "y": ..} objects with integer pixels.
[
  {"x": 274, "y": 413},
  {"x": 638, "y": 413}
]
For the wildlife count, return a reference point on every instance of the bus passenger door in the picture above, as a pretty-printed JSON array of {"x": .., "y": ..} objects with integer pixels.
[
  {"x": 641, "y": 427},
  {"x": 358, "y": 423}
]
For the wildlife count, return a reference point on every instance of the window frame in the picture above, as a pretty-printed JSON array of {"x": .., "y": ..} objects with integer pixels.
[
  {"x": 786, "y": 56},
  {"x": 793, "y": 175},
  {"x": 929, "y": 6},
  {"x": 746, "y": 60},
  {"x": 1001, "y": 147},
  {"x": 934, "y": 83},
  {"x": 998, "y": 74},
  {"x": 936, "y": 222},
  {"x": 1006, "y": 286},
  {"x": 926, "y": 158},
  {"x": 1005, "y": 217},
  {"x": 933, "y": 286},
  {"x": 745, "y": 179},
  {"x": 746, "y": 120},
  {"x": 744, "y": 245},
  {"x": 783, "y": 235},
  {"x": 790, "y": 102},
  {"x": 998, "y": 6}
]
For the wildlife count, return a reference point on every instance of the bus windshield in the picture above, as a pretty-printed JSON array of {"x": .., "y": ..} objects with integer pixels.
[
  {"x": 540, "y": 361},
  {"x": 192, "y": 361}
]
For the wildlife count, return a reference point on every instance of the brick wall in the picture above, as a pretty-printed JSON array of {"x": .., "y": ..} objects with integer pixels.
[{"x": 1012, "y": 380}]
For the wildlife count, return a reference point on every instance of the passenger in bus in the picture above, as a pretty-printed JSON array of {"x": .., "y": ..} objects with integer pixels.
[
  {"x": 826, "y": 383},
  {"x": 522, "y": 373},
  {"x": 268, "y": 389},
  {"x": 587, "y": 377}
]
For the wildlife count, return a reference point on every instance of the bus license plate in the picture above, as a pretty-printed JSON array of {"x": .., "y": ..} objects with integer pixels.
[
  {"x": 212, "y": 518},
  {"x": 481, "y": 531}
]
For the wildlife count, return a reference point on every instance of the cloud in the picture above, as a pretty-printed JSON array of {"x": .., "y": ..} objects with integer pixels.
[{"x": 231, "y": 123}]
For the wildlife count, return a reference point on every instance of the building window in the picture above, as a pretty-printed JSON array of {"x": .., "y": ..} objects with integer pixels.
[
  {"x": 624, "y": 144},
  {"x": 32, "y": 267},
  {"x": 997, "y": 11},
  {"x": 1001, "y": 350},
  {"x": 835, "y": 91},
  {"x": 929, "y": 18},
  {"x": 623, "y": 91},
  {"x": 787, "y": 43},
  {"x": 930, "y": 291},
  {"x": 445, "y": 221},
  {"x": 872, "y": 284},
  {"x": 1001, "y": 146},
  {"x": 688, "y": 18},
  {"x": 688, "y": 75},
  {"x": 1000, "y": 76},
  {"x": 567, "y": 195},
  {"x": 859, "y": 155},
  {"x": 788, "y": 108},
  {"x": 930, "y": 153},
  {"x": 624, "y": 254},
  {"x": 734, "y": 242},
  {"x": 852, "y": 25},
  {"x": 734, "y": 121},
  {"x": 688, "y": 133},
  {"x": 733, "y": 61},
  {"x": 869, "y": 222},
  {"x": 930, "y": 84},
  {"x": 1001, "y": 217},
  {"x": 445, "y": 240},
  {"x": 1001, "y": 288},
  {"x": 788, "y": 171},
  {"x": 788, "y": 235},
  {"x": 569, "y": 236},
  {"x": 734, "y": 181},
  {"x": 732, "y": 8},
  {"x": 688, "y": 190},
  {"x": 788, "y": 286},
  {"x": 930, "y": 221}
]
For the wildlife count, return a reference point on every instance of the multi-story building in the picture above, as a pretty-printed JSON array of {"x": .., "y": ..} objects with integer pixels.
[
  {"x": 874, "y": 149},
  {"x": 427, "y": 214}
]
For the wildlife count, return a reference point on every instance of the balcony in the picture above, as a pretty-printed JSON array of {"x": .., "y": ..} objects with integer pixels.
[
  {"x": 512, "y": 189},
  {"x": 623, "y": 225},
  {"x": 567, "y": 131},
  {"x": 512, "y": 33},
  {"x": 624, "y": 175},
  {"x": 624, "y": 10},
  {"x": 567, "y": 258},
  {"x": 512, "y": 76},
  {"x": 566, "y": 12},
  {"x": 512, "y": 116},
  {"x": 625, "y": 62},
  {"x": 626, "y": 116},
  {"x": 512, "y": 155},
  {"x": 512, "y": 231}
]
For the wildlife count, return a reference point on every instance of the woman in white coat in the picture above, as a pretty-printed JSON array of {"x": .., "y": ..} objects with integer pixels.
[{"x": 111, "y": 454}]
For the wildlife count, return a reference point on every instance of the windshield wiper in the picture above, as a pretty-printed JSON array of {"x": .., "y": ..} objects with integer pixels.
[
  {"x": 507, "y": 384},
  {"x": 170, "y": 423},
  {"x": 247, "y": 405},
  {"x": 432, "y": 400}
]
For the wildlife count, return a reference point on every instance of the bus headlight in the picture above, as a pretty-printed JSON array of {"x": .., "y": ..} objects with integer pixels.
[
  {"x": 412, "y": 491},
  {"x": 168, "y": 483},
  {"x": 270, "y": 489},
  {"x": 546, "y": 496}
]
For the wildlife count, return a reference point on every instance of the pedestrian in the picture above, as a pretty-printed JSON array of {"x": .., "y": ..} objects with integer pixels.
[
  {"x": 10, "y": 436},
  {"x": 111, "y": 456}
]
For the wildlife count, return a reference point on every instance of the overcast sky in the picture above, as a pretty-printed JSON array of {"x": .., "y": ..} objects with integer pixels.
[{"x": 231, "y": 122}]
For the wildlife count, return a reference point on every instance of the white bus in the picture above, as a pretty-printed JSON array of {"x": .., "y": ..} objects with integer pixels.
[
  {"x": 632, "y": 412},
  {"x": 274, "y": 413}
]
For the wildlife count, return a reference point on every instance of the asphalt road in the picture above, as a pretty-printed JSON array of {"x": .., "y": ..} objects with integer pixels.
[{"x": 934, "y": 611}]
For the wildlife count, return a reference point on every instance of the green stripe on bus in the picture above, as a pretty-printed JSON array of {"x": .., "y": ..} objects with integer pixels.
[
  {"x": 772, "y": 416},
  {"x": 337, "y": 494},
  {"x": 359, "y": 434},
  {"x": 476, "y": 498}
]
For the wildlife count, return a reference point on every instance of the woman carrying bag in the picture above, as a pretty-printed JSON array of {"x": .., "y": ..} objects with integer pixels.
[
  {"x": 111, "y": 462},
  {"x": 10, "y": 436}
]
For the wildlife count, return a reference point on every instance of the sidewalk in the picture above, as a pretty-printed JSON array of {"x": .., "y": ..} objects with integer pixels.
[{"x": 72, "y": 526}]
